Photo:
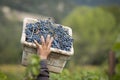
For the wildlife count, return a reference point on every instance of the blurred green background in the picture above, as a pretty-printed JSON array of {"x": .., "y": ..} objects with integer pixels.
[{"x": 95, "y": 25}]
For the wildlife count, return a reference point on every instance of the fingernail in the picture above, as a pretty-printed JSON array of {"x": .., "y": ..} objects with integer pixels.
[
  {"x": 41, "y": 36},
  {"x": 35, "y": 41},
  {"x": 52, "y": 38}
]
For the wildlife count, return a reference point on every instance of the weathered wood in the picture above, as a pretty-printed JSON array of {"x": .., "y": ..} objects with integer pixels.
[
  {"x": 56, "y": 62},
  {"x": 24, "y": 42}
]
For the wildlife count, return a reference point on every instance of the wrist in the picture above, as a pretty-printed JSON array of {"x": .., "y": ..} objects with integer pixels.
[{"x": 43, "y": 57}]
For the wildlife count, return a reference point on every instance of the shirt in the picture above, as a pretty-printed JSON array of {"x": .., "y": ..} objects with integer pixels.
[{"x": 44, "y": 72}]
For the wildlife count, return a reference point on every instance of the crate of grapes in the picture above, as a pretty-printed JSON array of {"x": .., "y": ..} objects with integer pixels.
[{"x": 62, "y": 45}]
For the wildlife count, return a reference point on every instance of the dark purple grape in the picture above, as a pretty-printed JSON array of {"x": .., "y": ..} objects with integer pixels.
[{"x": 62, "y": 39}]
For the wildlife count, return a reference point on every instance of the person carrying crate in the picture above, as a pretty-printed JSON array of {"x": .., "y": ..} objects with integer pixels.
[{"x": 43, "y": 51}]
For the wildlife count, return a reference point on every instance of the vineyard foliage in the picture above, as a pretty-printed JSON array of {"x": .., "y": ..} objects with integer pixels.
[
  {"x": 94, "y": 30},
  {"x": 116, "y": 49},
  {"x": 75, "y": 74},
  {"x": 33, "y": 69},
  {"x": 79, "y": 75}
]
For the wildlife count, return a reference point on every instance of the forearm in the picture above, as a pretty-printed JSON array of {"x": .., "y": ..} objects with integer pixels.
[
  {"x": 44, "y": 50},
  {"x": 44, "y": 73}
]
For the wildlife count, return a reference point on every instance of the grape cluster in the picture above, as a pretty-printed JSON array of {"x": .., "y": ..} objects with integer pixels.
[{"x": 62, "y": 39}]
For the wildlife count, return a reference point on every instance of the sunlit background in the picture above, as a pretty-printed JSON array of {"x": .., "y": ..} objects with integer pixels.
[{"x": 95, "y": 25}]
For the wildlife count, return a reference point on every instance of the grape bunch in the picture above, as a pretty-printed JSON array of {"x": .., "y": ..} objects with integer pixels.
[{"x": 62, "y": 39}]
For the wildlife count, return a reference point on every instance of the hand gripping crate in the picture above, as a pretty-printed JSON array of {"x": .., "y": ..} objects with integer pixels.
[{"x": 57, "y": 58}]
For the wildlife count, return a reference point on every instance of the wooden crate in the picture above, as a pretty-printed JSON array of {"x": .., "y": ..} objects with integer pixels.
[{"x": 56, "y": 60}]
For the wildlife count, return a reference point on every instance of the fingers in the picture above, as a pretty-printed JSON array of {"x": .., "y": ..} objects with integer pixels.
[
  {"x": 43, "y": 40},
  {"x": 50, "y": 42},
  {"x": 37, "y": 44},
  {"x": 46, "y": 44},
  {"x": 47, "y": 39}
]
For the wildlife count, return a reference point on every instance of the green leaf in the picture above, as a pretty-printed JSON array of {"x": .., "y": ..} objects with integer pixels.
[
  {"x": 116, "y": 46},
  {"x": 3, "y": 76}
]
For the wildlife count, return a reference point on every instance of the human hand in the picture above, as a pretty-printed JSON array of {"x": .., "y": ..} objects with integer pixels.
[{"x": 44, "y": 49}]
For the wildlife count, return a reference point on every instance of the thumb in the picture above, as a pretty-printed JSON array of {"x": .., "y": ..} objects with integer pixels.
[{"x": 37, "y": 44}]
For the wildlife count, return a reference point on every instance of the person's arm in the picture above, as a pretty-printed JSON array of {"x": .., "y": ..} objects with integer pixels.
[
  {"x": 44, "y": 50},
  {"x": 44, "y": 72}
]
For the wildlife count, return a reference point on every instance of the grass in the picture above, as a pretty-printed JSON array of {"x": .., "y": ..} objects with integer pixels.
[
  {"x": 16, "y": 72},
  {"x": 13, "y": 72}
]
